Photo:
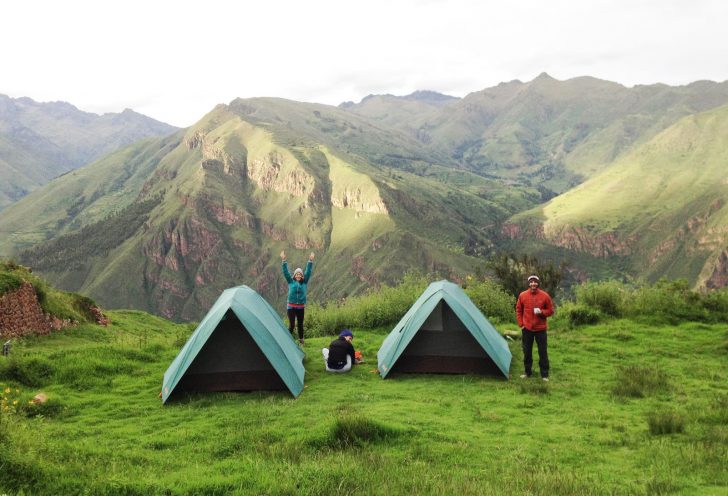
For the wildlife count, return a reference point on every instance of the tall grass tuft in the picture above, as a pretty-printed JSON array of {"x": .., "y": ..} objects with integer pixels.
[
  {"x": 669, "y": 422},
  {"x": 30, "y": 371},
  {"x": 357, "y": 430},
  {"x": 534, "y": 387},
  {"x": 637, "y": 381}
]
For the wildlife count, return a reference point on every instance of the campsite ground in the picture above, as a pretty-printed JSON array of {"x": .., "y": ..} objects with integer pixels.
[{"x": 631, "y": 409}]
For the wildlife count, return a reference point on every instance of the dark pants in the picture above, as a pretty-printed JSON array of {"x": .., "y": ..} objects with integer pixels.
[
  {"x": 293, "y": 315},
  {"x": 543, "y": 356}
]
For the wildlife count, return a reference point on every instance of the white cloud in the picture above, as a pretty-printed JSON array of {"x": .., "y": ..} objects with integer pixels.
[{"x": 175, "y": 60}]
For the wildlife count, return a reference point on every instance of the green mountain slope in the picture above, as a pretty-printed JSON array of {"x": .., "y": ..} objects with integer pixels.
[
  {"x": 545, "y": 133},
  {"x": 661, "y": 207},
  {"x": 166, "y": 224},
  {"x": 39, "y": 141}
]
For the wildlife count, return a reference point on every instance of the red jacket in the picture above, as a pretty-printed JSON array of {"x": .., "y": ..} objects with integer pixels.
[{"x": 527, "y": 301}]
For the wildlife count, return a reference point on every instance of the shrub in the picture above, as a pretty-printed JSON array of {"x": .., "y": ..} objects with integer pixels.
[
  {"x": 637, "y": 381},
  {"x": 534, "y": 387},
  {"x": 668, "y": 301},
  {"x": 665, "y": 423},
  {"x": 607, "y": 297},
  {"x": 578, "y": 315},
  {"x": 663, "y": 302},
  {"x": 716, "y": 303},
  {"x": 491, "y": 299}
]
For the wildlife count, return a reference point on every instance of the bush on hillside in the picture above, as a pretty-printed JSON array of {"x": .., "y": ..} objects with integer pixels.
[
  {"x": 491, "y": 299},
  {"x": 663, "y": 302},
  {"x": 513, "y": 271},
  {"x": 716, "y": 302},
  {"x": 607, "y": 297},
  {"x": 668, "y": 301},
  {"x": 578, "y": 315}
]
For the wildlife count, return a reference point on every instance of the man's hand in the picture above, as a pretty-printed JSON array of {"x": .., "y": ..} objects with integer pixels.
[
  {"x": 537, "y": 311},
  {"x": 311, "y": 256},
  {"x": 283, "y": 255}
]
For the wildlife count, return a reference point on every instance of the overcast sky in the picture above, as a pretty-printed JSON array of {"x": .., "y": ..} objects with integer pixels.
[{"x": 175, "y": 60}]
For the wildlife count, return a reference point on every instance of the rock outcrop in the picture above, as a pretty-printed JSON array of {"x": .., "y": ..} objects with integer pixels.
[
  {"x": 22, "y": 315},
  {"x": 719, "y": 277}
]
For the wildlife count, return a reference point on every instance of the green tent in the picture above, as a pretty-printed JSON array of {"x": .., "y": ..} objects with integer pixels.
[
  {"x": 444, "y": 332},
  {"x": 240, "y": 345}
]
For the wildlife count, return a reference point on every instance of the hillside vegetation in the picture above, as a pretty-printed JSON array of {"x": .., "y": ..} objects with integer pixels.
[
  {"x": 165, "y": 225},
  {"x": 634, "y": 407},
  {"x": 662, "y": 206},
  {"x": 424, "y": 182},
  {"x": 544, "y": 133}
]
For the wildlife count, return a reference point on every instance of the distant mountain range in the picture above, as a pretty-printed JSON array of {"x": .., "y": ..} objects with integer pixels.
[
  {"x": 565, "y": 169},
  {"x": 544, "y": 133},
  {"x": 40, "y": 141}
]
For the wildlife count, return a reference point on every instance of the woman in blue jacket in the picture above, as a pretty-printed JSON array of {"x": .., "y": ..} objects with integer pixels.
[{"x": 297, "y": 286}]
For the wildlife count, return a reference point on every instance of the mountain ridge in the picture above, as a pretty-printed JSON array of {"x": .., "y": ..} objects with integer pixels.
[
  {"x": 211, "y": 206},
  {"x": 661, "y": 207},
  {"x": 39, "y": 141},
  {"x": 376, "y": 189}
]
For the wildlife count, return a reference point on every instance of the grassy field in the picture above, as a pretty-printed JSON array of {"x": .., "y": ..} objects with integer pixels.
[{"x": 631, "y": 409}]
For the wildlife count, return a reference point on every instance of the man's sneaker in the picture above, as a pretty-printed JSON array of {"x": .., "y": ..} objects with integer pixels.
[
  {"x": 525, "y": 376},
  {"x": 545, "y": 379},
  {"x": 302, "y": 342}
]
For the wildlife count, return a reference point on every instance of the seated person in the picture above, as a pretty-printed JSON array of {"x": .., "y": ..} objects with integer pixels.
[{"x": 340, "y": 354}]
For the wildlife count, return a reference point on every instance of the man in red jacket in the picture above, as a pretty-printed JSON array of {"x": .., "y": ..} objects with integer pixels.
[{"x": 532, "y": 308}]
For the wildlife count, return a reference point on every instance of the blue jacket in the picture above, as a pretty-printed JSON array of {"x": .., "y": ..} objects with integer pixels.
[{"x": 297, "y": 290}]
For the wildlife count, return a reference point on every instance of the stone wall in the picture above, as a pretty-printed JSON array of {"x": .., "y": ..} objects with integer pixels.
[{"x": 21, "y": 314}]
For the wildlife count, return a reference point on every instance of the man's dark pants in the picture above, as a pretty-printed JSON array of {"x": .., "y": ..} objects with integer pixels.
[{"x": 527, "y": 338}]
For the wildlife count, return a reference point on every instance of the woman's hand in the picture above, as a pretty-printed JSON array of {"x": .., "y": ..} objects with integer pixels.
[
  {"x": 283, "y": 255},
  {"x": 311, "y": 256}
]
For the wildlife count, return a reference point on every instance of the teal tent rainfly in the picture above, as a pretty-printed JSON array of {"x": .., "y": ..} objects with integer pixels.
[
  {"x": 444, "y": 332},
  {"x": 240, "y": 345}
]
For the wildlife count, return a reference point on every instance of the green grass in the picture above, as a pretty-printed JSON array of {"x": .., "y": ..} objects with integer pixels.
[{"x": 106, "y": 431}]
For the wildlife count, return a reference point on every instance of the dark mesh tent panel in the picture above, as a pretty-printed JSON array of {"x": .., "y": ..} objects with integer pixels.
[
  {"x": 230, "y": 361},
  {"x": 444, "y": 345}
]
